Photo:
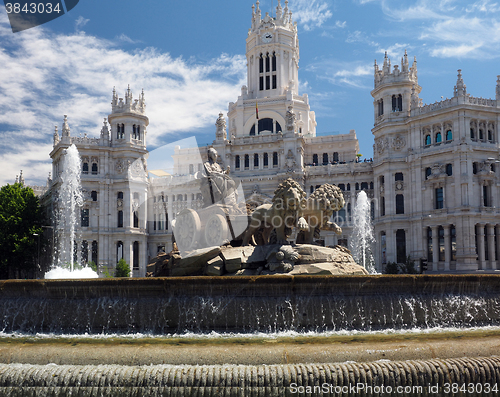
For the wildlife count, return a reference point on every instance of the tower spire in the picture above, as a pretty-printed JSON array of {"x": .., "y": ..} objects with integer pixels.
[
  {"x": 66, "y": 130},
  {"x": 460, "y": 88}
]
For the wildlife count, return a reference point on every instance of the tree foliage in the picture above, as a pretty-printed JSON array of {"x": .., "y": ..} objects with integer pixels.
[
  {"x": 122, "y": 269},
  {"x": 20, "y": 219}
]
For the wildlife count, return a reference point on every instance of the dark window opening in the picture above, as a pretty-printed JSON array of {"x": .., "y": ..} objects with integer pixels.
[
  {"x": 136, "y": 255},
  {"x": 261, "y": 64},
  {"x": 275, "y": 159},
  {"x": 428, "y": 140},
  {"x": 439, "y": 198},
  {"x": 93, "y": 195},
  {"x": 256, "y": 160},
  {"x": 85, "y": 168},
  {"x": 261, "y": 83},
  {"x": 382, "y": 206},
  {"x": 266, "y": 160},
  {"x": 120, "y": 218},
  {"x": 481, "y": 134},
  {"x": 335, "y": 157},
  {"x": 474, "y": 168},
  {"x": 453, "y": 242},
  {"x": 274, "y": 62},
  {"x": 136, "y": 219},
  {"x": 400, "y": 204},
  {"x": 438, "y": 137},
  {"x": 449, "y": 169},
  {"x": 364, "y": 185},
  {"x": 325, "y": 158},
  {"x": 95, "y": 252},
  {"x": 429, "y": 245},
  {"x": 428, "y": 172},
  {"x": 315, "y": 159},
  {"x": 94, "y": 168},
  {"x": 247, "y": 161},
  {"x": 274, "y": 82},
  {"x": 268, "y": 83},
  {"x": 400, "y": 246},
  {"x": 267, "y": 62},
  {"x": 449, "y": 135},
  {"x": 85, "y": 217},
  {"x": 398, "y": 176},
  {"x": 237, "y": 162},
  {"x": 120, "y": 195},
  {"x": 348, "y": 187},
  {"x": 357, "y": 186},
  {"x": 342, "y": 186},
  {"x": 472, "y": 134},
  {"x": 441, "y": 243}
]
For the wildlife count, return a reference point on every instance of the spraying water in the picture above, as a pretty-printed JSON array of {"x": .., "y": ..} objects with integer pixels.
[
  {"x": 70, "y": 202},
  {"x": 362, "y": 239}
]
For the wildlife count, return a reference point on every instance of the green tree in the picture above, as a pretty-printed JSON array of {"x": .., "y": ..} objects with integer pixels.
[
  {"x": 122, "y": 269},
  {"x": 20, "y": 221}
]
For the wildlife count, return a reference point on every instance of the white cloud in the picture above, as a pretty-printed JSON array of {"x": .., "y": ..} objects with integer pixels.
[
  {"x": 47, "y": 75},
  {"x": 340, "y": 25},
  {"x": 447, "y": 28},
  {"x": 351, "y": 74},
  {"x": 310, "y": 13},
  {"x": 80, "y": 22}
]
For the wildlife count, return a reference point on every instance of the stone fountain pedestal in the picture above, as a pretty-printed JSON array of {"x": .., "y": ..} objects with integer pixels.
[{"x": 271, "y": 259}]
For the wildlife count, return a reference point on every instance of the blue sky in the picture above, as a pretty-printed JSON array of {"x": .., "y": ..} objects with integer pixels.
[{"x": 189, "y": 58}]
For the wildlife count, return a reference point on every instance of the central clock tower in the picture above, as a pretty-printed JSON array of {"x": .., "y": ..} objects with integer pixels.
[{"x": 272, "y": 50}]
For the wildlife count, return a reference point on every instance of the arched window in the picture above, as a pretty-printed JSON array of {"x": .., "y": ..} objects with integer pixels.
[
  {"x": 398, "y": 176},
  {"x": 438, "y": 137},
  {"x": 490, "y": 135},
  {"x": 449, "y": 169},
  {"x": 93, "y": 195},
  {"x": 348, "y": 187},
  {"x": 135, "y": 249},
  {"x": 382, "y": 206},
  {"x": 325, "y": 158},
  {"x": 342, "y": 186},
  {"x": 120, "y": 195},
  {"x": 266, "y": 160},
  {"x": 247, "y": 161},
  {"x": 381, "y": 107},
  {"x": 237, "y": 162},
  {"x": 357, "y": 186},
  {"x": 120, "y": 131},
  {"x": 266, "y": 124},
  {"x": 136, "y": 132},
  {"x": 311, "y": 189},
  {"x": 371, "y": 185},
  {"x": 400, "y": 102},
  {"x": 274, "y": 62},
  {"x": 267, "y": 63},
  {"x": 428, "y": 172},
  {"x": 256, "y": 160},
  {"x": 136, "y": 219},
  {"x": 94, "y": 168},
  {"x": 261, "y": 64},
  {"x": 449, "y": 135},
  {"x": 427, "y": 140},
  {"x": 119, "y": 251},
  {"x": 85, "y": 168},
  {"x": 400, "y": 204},
  {"x": 335, "y": 157},
  {"x": 275, "y": 159},
  {"x": 364, "y": 185},
  {"x": 315, "y": 159},
  {"x": 481, "y": 134}
]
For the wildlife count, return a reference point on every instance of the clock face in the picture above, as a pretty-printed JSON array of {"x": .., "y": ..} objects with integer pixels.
[{"x": 267, "y": 37}]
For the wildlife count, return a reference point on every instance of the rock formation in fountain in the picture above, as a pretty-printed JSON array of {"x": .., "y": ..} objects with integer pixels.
[
  {"x": 270, "y": 226},
  {"x": 362, "y": 239}
]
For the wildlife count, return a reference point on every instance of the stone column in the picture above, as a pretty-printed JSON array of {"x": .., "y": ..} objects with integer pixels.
[
  {"x": 480, "y": 245},
  {"x": 447, "y": 248},
  {"x": 425, "y": 243},
  {"x": 261, "y": 161},
  {"x": 491, "y": 246},
  {"x": 435, "y": 248}
]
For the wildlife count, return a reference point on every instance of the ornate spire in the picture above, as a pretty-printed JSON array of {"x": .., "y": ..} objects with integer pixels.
[
  {"x": 21, "y": 178},
  {"x": 105, "y": 129},
  {"x": 65, "y": 130},
  {"x": 498, "y": 89},
  {"x": 460, "y": 88},
  {"x": 279, "y": 10}
]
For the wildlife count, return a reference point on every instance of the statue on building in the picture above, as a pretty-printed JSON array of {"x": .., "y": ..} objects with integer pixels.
[
  {"x": 220, "y": 133},
  {"x": 217, "y": 185},
  {"x": 291, "y": 122}
]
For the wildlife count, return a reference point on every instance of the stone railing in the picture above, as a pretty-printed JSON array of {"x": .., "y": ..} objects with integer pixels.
[{"x": 84, "y": 140}]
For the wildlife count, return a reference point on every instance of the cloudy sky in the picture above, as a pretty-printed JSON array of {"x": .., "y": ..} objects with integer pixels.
[{"x": 189, "y": 58}]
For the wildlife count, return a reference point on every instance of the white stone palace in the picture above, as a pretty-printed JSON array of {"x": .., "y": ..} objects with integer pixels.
[{"x": 433, "y": 178}]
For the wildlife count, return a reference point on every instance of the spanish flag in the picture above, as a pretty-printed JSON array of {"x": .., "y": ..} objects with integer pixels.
[{"x": 256, "y": 110}]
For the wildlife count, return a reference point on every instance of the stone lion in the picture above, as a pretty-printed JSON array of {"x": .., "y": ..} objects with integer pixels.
[
  {"x": 318, "y": 210},
  {"x": 280, "y": 215}
]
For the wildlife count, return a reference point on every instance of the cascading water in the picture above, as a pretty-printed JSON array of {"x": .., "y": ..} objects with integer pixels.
[
  {"x": 362, "y": 239},
  {"x": 70, "y": 201}
]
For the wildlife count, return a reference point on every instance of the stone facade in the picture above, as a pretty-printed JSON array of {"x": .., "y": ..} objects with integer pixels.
[{"x": 432, "y": 179}]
